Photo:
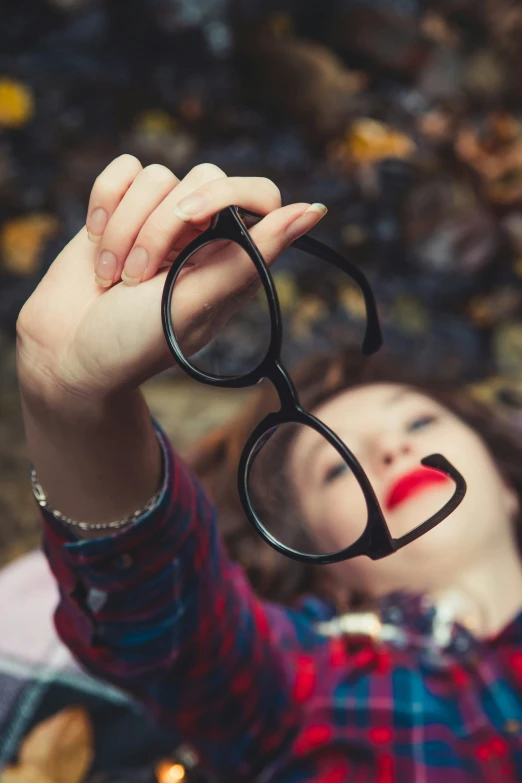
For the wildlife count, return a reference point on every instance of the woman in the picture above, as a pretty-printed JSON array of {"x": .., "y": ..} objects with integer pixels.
[{"x": 419, "y": 689}]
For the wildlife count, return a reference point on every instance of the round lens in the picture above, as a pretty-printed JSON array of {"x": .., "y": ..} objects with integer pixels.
[
  {"x": 304, "y": 492},
  {"x": 219, "y": 311}
]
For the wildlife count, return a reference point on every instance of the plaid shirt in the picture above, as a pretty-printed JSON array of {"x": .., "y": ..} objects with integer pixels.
[{"x": 259, "y": 690}]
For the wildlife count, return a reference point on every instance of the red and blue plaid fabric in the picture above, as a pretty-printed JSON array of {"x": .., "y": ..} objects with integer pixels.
[{"x": 255, "y": 688}]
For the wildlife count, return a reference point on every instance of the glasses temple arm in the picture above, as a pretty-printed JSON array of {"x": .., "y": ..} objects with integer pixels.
[
  {"x": 373, "y": 336},
  {"x": 438, "y": 462}
]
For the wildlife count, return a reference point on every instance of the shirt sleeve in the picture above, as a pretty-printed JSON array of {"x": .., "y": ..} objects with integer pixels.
[{"x": 159, "y": 610}]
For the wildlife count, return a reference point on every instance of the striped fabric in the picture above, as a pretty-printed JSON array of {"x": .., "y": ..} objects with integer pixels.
[{"x": 257, "y": 689}]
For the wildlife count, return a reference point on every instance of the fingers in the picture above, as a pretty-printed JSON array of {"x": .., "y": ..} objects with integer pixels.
[
  {"x": 107, "y": 192},
  {"x": 163, "y": 233},
  {"x": 147, "y": 190},
  {"x": 207, "y": 294},
  {"x": 256, "y": 193},
  {"x": 230, "y": 270},
  {"x": 137, "y": 231},
  {"x": 169, "y": 228},
  {"x": 150, "y": 215}
]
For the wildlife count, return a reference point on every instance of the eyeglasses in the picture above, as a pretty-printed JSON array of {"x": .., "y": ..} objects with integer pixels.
[{"x": 271, "y": 439}]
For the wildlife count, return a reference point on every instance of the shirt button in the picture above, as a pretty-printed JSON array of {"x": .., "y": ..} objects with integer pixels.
[
  {"x": 122, "y": 562},
  {"x": 512, "y": 727},
  {"x": 395, "y": 615}
]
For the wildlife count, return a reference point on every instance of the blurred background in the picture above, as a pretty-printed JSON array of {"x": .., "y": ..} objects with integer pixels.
[{"x": 404, "y": 117}]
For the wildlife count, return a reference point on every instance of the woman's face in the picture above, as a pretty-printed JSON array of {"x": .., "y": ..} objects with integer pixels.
[{"x": 390, "y": 428}]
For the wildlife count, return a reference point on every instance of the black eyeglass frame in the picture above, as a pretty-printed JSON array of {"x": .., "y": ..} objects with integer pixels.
[{"x": 375, "y": 541}]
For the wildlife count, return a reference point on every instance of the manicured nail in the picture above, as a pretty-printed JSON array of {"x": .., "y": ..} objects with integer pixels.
[
  {"x": 135, "y": 266},
  {"x": 316, "y": 207},
  {"x": 97, "y": 223},
  {"x": 190, "y": 206},
  {"x": 307, "y": 220},
  {"x": 105, "y": 268}
]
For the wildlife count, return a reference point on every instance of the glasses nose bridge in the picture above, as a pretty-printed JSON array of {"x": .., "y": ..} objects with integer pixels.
[{"x": 283, "y": 385}]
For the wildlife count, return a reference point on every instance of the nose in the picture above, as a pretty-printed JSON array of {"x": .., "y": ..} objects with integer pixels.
[
  {"x": 390, "y": 448},
  {"x": 391, "y": 455}
]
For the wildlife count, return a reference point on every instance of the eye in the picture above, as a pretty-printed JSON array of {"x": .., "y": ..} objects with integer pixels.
[
  {"x": 336, "y": 471},
  {"x": 421, "y": 421}
]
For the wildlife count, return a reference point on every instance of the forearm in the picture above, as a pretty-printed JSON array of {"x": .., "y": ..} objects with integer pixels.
[
  {"x": 97, "y": 462},
  {"x": 161, "y": 612}
]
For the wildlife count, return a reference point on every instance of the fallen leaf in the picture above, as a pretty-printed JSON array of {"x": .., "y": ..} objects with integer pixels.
[
  {"x": 22, "y": 240},
  {"x": 507, "y": 347},
  {"x": 287, "y": 292},
  {"x": 61, "y": 746},
  {"x": 16, "y": 103},
  {"x": 369, "y": 140},
  {"x": 310, "y": 311},
  {"x": 23, "y": 774}
]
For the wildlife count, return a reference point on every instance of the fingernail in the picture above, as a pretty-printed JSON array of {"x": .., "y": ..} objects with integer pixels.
[
  {"x": 309, "y": 218},
  {"x": 135, "y": 266},
  {"x": 190, "y": 206},
  {"x": 105, "y": 268},
  {"x": 316, "y": 207},
  {"x": 97, "y": 223}
]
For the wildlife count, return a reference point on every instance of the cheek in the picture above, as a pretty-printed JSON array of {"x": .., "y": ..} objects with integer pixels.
[
  {"x": 481, "y": 512},
  {"x": 342, "y": 514},
  {"x": 467, "y": 453},
  {"x": 471, "y": 457}
]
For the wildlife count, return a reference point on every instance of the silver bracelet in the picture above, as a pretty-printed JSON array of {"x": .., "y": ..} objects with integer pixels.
[{"x": 41, "y": 499}]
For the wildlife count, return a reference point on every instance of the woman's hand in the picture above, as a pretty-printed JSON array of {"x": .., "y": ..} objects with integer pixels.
[{"x": 85, "y": 332}]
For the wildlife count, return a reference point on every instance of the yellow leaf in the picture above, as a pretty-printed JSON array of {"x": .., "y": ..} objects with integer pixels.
[
  {"x": 353, "y": 302},
  {"x": 23, "y": 774},
  {"x": 310, "y": 310},
  {"x": 484, "y": 390},
  {"x": 61, "y": 746},
  {"x": 16, "y": 103},
  {"x": 22, "y": 240},
  {"x": 409, "y": 315},
  {"x": 286, "y": 290},
  {"x": 370, "y": 140},
  {"x": 155, "y": 121}
]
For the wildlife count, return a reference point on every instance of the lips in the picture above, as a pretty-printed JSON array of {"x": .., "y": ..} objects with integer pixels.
[{"x": 413, "y": 482}]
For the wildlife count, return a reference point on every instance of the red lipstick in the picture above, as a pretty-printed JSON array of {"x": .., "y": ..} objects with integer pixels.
[{"x": 413, "y": 482}]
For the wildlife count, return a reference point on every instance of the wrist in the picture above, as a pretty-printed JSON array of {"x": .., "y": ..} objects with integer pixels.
[
  {"x": 97, "y": 462},
  {"x": 45, "y": 395}
]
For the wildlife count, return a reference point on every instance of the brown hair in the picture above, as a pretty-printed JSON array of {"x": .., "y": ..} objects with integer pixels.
[{"x": 215, "y": 458}]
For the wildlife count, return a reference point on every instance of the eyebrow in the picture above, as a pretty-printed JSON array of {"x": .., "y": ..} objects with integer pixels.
[
  {"x": 322, "y": 443},
  {"x": 397, "y": 395}
]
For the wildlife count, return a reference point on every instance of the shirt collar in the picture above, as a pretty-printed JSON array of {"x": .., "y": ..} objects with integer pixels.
[{"x": 402, "y": 615}]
